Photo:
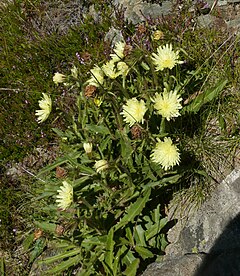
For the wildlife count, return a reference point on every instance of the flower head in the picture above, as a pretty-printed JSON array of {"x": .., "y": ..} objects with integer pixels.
[
  {"x": 65, "y": 196},
  {"x": 123, "y": 68},
  {"x": 165, "y": 57},
  {"x": 46, "y": 107},
  {"x": 133, "y": 111},
  {"x": 59, "y": 78},
  {"x": 101, "y": 165},
  {"x": 119, "y": 51},
  {"x": 97, "y": 77},
  {"x": 166, "y": 154},
  {"x": 110, "y": 70},
  {"x": 168, "y": 104},
  {"x": 157, "y": 35},
  {"x": 87, "y": 147}
]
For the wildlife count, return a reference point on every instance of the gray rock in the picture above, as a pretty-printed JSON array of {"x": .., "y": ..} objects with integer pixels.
[
  {"x": 204, "y": 228},
  {"x": 136, "y": 10},
  {"x": 185, "y": 265},
  {"x": 213, "y": 233}
]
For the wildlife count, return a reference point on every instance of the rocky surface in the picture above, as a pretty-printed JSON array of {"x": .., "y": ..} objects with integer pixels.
[{"x": 208, "y": 243}]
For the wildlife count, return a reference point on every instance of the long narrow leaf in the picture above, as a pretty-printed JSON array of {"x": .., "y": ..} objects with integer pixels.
[
  {"x": 60, "y": 256},
  {"x": 64, "y": 265},
  {"x": 132, "y": 268},
  {"x": 109, "y": 250},
  {"x": 205, "y": 97},
  {"x": 135, "y": 209}
]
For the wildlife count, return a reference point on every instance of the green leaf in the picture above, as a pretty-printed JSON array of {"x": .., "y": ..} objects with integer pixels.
[
  {"x": 70, "y": 158},
  {"x": 205, "y": 97},
  {"x": 97, "y": 129},
  {"x": 109, "y": 250},
  {"x": 222, "y": 122},
  {"x": 64, "y": 265},
  {"x": 46, "y": 226},
  {"x": 60, "y": 256},
  {"x": 144, "y": 252},
  {"x": 2, "y": 266},
  {"x": 129, "y": 236},
  {"x": 135, "y": 209},
  {"x": 155, "y": 228},
  {"x": 128, "y": 256},
  {"x": 139, "y": 235},
  {"x": 38, "y": 249},
  {"x": 164, "y": 181},
  {"x": 132, "y": 268},
  {"x": 94, "y": 241},
  {"x": 28, "y": 241}
]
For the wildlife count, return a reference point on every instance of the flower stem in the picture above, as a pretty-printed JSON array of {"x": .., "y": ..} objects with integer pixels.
[{"x": 162, "y": 126}]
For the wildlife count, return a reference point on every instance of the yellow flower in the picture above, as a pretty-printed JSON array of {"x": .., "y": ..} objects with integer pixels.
[
  {"x": 59, "y": 78},
  {"x": 46, "y": 107},
  {"x": 87, "y": 147},
  {"x": 65, "y": 195},
  {"x": 166, "y": 154},
  {"x": 110, "y": 70},
  {"x": 165, "y": 57},
  {"x": 101, "y": 165},
  {"x": 167, "y": 104},
  {"x": 119, "y": 51},
  {"x": 97, "y": 77},
  {"x": 157, "y": 35},
  {"x": 133, "y": 111},
  {"x": 97, "y": 101},
  {"x": 123, "y": 68}
]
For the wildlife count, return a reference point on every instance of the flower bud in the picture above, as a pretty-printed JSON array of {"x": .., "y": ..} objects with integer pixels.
[
  {"x": 87, "y": 147},
  {"x": 101, "y": 165}
]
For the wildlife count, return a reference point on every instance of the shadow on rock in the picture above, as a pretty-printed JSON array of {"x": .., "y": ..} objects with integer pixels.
[{"x": 224, "y": 257}]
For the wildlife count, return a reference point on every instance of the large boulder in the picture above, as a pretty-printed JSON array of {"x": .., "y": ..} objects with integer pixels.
[{"x": 208, "y": 243}]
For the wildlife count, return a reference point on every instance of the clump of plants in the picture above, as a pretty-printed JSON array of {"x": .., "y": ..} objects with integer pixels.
[{"x": 103, "y": 200}]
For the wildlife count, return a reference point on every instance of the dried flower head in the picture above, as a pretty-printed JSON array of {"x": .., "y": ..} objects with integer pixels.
[
  {"x": 46, "y": 107},
  {"x": 133, "y": 111},
  {"x": 127, "y": 49},
  {"x": 59, "y": 78},
  {"x": 165, "y": 57},
  {"x": 136, "y": 132},
  {"x": 168, "y": 104},
  {"x": 86, "y": 56},
  {"x": 166, "y": 154},
  {"x": 89, "y": 91},
  {"x": 65, "y": 195},
  {"x": 141, "y": 29}
]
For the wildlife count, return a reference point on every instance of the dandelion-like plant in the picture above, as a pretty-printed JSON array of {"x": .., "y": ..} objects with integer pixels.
[
  {"x": 46, "y": 107},
  {"x": 118, "y": 51},
  {"x": 101, "y": 165},
  {"x": 133, "y": 111},
  {"x": 165, "y": 57},
  {"x": 65, "y": 195},
  {"x": 97, "y": 77},
  {"x": 166, "y": 153},
  {"x": 167, "y": 104},
  {"x": 59, "y": 78}
]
